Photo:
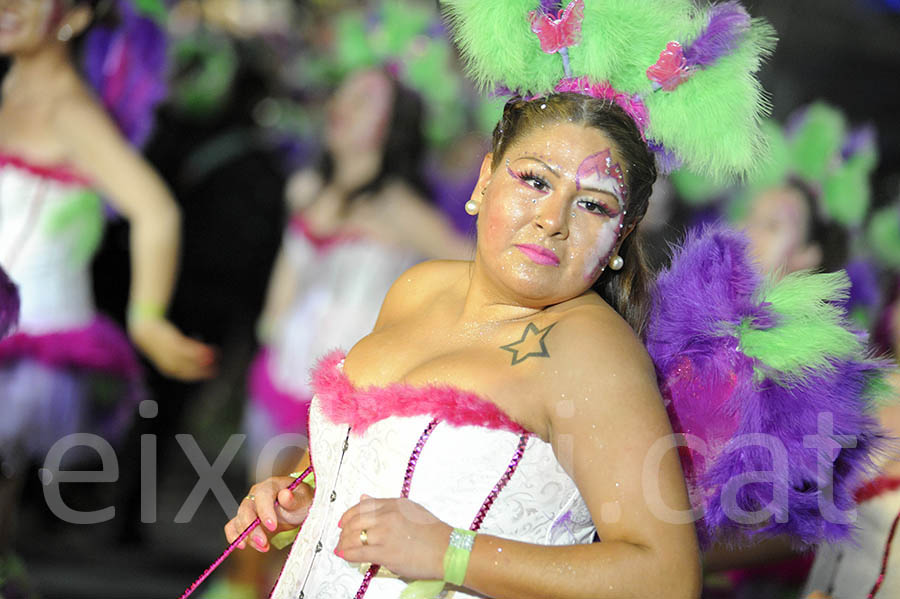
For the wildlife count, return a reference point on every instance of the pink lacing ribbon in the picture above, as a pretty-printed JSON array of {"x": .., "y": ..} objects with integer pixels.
[
  {"x": 482, "y": 513},
  {"x": 884, "y": 559}
]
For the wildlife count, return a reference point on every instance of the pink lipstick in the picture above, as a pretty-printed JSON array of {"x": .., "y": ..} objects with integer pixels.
[{"x": 538, "y": 254}]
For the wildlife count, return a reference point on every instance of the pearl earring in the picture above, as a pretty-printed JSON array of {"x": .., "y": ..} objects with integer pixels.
[
  {"x": 65, "y": 33},
  {"x": 616, "y": 263},
  {"x": 471, "y": 207}
]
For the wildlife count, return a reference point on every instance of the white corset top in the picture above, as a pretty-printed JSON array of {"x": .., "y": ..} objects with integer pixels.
[
  {"x": 50, "y": 222},
  {"x": 355, "y": 450}
]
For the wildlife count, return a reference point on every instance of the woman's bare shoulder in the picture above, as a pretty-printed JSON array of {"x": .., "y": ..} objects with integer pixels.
[
  {"x": 596, "y": 331},
  {"x": 419, "y": 224},
  {"x": 595, "y": 342},
  {"x": 419, "y": 286},
  {"x": 81, "y": 116},
  {"x": 93, "y": 141}
]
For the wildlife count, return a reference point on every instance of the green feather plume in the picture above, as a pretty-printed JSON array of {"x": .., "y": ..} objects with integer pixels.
[
  {"x": 817, "y": 141},
  {"x": 846, "y": 195},
  {"x": 426, "y": 63},
  {"x": 623, "y": 37},
  {"x": 812, "y": 329},
  {"x": 498, "y": 46},
  {"x": 353, "y": 50},
  {"x": 152, "y": 9},
  {"x": 811, "y": 151},
  {"x": 771, "y": 170},
  {"x": 696, "y": 190},
  {"x": 401, "y": 23},
  {"x": 710, "y": 122},
  {"x": 488, "y": 112},
  {"x": 883, "y": 235},
  {"x": 775, "y": 169},
  {"x": 846, "y": 190}
]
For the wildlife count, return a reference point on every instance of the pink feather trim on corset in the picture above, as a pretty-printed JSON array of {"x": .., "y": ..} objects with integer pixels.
[
  {"x": 344, "y": 403},
  {"x": 876, "y": 487}
]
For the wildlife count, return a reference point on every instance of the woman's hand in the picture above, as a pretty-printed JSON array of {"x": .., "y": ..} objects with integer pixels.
[
  {"x": 401, "y": 535},
  {"x": 260, "y": 503},
  {"x": 173, "y": 353}
]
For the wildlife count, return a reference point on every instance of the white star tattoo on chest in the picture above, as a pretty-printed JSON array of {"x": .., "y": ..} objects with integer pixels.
[{"x": 531, "y": 345}]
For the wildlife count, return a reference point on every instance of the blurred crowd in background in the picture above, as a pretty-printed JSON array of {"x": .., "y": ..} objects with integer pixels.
[{"x": 318, "y": 148}]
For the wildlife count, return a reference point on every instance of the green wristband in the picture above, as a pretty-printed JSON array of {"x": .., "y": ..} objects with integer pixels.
[
  {"x": 140, "y": 311},
  {"x": 284, "y": 538},
  {"x": 456, "y": 559}
]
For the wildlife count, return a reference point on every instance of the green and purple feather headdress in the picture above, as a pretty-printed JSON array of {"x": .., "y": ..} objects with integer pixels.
[
  {"x": 409, "y": 40},
  {"x": 817, "y": 147},
  {"x": 685, "y": 74},
  {"x": 738, "y": 359}
]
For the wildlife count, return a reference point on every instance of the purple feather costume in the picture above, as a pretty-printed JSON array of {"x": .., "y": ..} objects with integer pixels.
[{"x": 740, "y": 418}]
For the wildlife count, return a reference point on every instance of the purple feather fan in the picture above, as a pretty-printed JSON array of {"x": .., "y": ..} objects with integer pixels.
[
  {"x": 127, "y": 68},
  {"x": 753, "y": 456},
  {"x": 728, "y": 22},
  {"x": 9, "y": 304}
]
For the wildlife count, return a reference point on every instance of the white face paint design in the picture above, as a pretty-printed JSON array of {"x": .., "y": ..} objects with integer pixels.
[
  {"x": 600, "y": 254},
  {"x": 598, "y": 172},
  {"x": 552, "y": 215}
]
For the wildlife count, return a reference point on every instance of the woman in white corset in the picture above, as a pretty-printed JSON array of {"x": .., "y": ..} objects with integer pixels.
[
  {"x": 504, "y": 395},
  {"x": 504, "y": 410},
  {"x": 64, "y": 144},
  {"x": 356, "y": 223}
]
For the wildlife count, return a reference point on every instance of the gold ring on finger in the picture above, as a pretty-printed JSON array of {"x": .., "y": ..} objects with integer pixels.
[
  {"x": 364, "y": 537},
  {"x": 251, "y": 497}
]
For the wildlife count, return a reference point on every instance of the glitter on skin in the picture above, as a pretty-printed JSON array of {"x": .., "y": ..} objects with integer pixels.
[
  {"x": 598, "y": 172},
  {"x": 517, "y": 209},
  {"x": 606, "y": 243},
  {"x": 522, "y": 181}
]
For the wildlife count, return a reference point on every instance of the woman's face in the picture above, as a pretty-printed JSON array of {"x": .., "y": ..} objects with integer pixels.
[
  {"x": 358, "y": 112},
  {"x": 25, "y": 25},
  {"x": 552, "y": 212},
  {"x": 778, "y": 227}
]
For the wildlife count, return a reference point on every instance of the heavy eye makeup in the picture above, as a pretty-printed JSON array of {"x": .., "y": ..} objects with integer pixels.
[
  {"x": 530, "y": 179},
  {"x": 537, "y": 182},
  {"x": 594, "y": 206}
]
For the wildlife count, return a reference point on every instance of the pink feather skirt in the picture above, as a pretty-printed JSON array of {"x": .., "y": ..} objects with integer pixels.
[{"x": 85, "y": 380}]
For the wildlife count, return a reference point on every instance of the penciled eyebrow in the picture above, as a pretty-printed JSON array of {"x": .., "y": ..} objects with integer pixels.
[{"x": 536, "y": 159}]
